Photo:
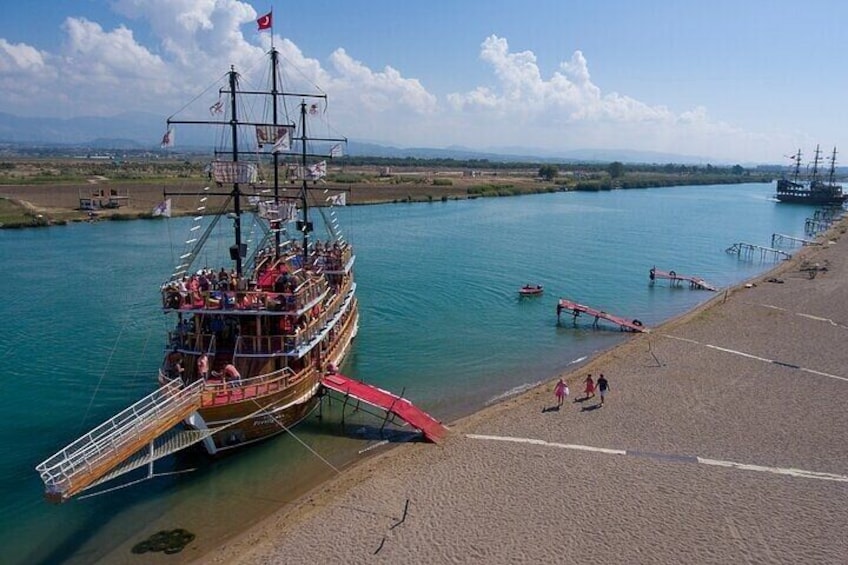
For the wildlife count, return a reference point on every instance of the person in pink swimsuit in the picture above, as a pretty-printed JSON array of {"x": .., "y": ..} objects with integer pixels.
[
  {"x": 561, "y": 392},
  {"x": 590, "y": 386}
]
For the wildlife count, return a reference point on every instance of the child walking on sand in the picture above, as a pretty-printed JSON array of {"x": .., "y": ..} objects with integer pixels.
[
  {"x": 561, "y": 392},
  {"x": 590, "y": 387}
]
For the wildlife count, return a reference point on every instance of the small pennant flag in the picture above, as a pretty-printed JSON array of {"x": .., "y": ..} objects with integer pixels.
[
  {"x": 283, "y": 140},
  {"x": 217, "y": 108},
  {"x": 336, "y": 150},
  {"x": 318, "y": 170},
  {"x": 163, "y": 208},
  {"x": 264, "y": 22},
  {"x": 338, "y": 199}
]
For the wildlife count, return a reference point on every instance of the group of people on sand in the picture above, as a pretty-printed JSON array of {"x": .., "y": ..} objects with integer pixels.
[{"x": 602, "y": 387}]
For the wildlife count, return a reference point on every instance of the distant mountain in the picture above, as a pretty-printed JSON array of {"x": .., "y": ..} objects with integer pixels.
[{"x": 137, "y": 130}]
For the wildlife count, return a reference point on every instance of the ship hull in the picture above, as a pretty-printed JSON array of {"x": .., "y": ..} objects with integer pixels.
[{"x": 815, "y": 194}]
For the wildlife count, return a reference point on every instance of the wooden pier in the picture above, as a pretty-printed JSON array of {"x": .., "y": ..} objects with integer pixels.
[
  {"x": 576, "y": 310},
  {"x": 748, "y": 250},
  {"x": 694, "y": 282}
]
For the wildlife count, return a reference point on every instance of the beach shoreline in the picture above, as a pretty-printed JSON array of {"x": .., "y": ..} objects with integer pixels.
[{"x": 384, "y": 480}]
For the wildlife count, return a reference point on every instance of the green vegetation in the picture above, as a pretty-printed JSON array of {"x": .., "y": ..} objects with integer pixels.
[
  {"x": 615, "y": 169},
  {"x": 548, "y": 172},
  {"x": 442, "y": 182},
  {"x": 15, "y": 215}
]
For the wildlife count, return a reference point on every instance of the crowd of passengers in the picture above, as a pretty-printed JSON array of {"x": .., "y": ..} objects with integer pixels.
[{"x": 286, "y": 277}]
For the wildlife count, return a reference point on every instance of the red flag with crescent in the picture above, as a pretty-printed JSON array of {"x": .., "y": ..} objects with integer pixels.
[{"x": 264, "y": 22}]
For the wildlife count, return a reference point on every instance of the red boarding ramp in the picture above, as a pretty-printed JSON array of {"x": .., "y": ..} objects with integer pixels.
[
  {"x": 432, "y": 429},
  {"x": 576, "y": 309},
  {"x": 694, "y": 282}
]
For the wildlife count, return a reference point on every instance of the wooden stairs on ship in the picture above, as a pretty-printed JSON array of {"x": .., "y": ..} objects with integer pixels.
[
  {"x": 107, "y": 451},
  {"x": 432, "y": 429}
]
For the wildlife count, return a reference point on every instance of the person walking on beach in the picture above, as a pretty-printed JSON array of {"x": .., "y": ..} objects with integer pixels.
[
  {"x": 590, "y": 387},
  {"x": 561, "y": 392},
  {"x": 603, "y": 387}
]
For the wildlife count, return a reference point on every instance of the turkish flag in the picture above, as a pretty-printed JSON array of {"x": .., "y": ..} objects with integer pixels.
[{"x": 264, "y": 22}]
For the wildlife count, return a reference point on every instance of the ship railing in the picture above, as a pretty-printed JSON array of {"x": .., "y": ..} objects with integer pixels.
[
  {"x": 343, "y": 327},
  {"x": 192, "y": 342},
  {"x": 282, "y": 375},
  {"x": 248, "y": 300},
  {"x": 296, "y": 342},
  {"x": 130, "y": 426},
  {"x": 221, "y": 393},
  {"x": 320, "y": 327},
  {"x": 306, "y": 337},
  {"x": 249, "y": 345},
  {"x": 338, "y": 263}
]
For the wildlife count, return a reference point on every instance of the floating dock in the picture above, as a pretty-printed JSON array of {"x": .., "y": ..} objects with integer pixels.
[
  {"x": 576, "y": 310},
  {"x": 694, "y": 282}
]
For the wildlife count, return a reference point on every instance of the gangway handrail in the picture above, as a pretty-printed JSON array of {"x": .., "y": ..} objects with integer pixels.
[{"x": 91, "y": 449}]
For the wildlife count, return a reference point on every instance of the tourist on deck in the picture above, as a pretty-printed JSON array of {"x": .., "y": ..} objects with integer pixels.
[
  {"x": 232, "y": 374},
  {"x": 203, "y": 366},
  {"x": 173, "y": 363}
]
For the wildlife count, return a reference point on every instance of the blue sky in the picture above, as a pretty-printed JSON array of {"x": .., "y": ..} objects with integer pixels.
[{"x": 744, "y": 81}]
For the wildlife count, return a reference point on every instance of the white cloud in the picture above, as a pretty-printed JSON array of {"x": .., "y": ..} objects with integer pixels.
[
  {"x": 381, "y": 90},
  {"x": 19, "y": 57},
  {"x": 568, "y": 111},
  {"x": 193, "y": 42}
]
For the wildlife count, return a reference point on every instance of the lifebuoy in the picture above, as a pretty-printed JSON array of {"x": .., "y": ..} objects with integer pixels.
[{"x": 637, "y": 323}]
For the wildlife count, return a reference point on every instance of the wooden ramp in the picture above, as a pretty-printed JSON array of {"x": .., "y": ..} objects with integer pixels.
[
  {"x": 432, "y": 429},
  {"x": 694, "y": 282},
  {"x": 576, "y": 310},
  {"x": 99, "y": 453}
]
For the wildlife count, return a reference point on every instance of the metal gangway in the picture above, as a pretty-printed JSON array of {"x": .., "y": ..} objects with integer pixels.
[
  {"x": 748, "y": 250},
  {"x": 98, "y": 455}
]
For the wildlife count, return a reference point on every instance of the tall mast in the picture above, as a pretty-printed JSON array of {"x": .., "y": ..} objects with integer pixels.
[
  {"x": 797, "y": 166},
  {"x": 237, "y": 255},
  {"x": 816, "y": 159},
  {"x": 832, "y": 175},
  {"x": 305, "y": 227},
  {"x": 276, "y": 156}
]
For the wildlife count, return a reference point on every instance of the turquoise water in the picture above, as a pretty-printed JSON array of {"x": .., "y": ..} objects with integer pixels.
[{"x": 441, "y": 321}]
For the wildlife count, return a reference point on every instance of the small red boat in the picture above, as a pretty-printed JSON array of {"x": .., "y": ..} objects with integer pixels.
[{"x": 531, "y": 290}]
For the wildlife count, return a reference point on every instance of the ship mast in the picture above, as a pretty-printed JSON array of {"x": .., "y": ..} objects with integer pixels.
[
  {"x": 305, "y": 226},
  {"x": 816, "y": 159},
  {"x": 797, "y": 160},
  {"x": 276, "y": 156},
  {"x": 831, "y": 179},
  {"x": 235, "y": 253}
]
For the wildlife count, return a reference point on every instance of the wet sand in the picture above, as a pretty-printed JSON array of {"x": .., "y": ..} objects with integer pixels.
[{"x": 722, "y": 441}]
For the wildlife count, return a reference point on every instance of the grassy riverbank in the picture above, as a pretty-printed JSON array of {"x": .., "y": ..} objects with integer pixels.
[{"x": 41, "y": 192}]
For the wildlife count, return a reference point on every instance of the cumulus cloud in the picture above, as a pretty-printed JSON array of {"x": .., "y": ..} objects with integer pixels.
[
  {"x": 189, "y": 43},
  {"x": 567, "y": 110}
]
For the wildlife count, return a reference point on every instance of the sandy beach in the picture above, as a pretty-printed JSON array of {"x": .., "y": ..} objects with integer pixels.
[{"x": 722, "y": 441}]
